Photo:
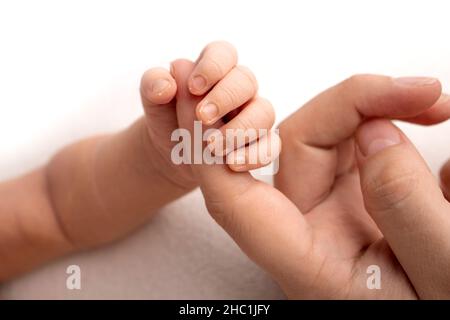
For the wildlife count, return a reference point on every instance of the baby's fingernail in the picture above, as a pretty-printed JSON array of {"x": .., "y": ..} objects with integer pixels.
[
  {"x": 415, "y": 81},
  {"x": 198, "y": 83},
  {"x": 376, "y": 136},
  {"x": 209, "y": 112},
  {"x": 159, "y": 86}
]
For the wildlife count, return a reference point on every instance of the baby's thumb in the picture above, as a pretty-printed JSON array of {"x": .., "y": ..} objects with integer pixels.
[{"x": 404, "y": 199}]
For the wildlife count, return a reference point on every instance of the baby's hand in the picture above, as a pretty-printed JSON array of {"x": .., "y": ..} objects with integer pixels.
[
  {"x": 228, "y": 101},
  {"x": 101, "y": 188}
]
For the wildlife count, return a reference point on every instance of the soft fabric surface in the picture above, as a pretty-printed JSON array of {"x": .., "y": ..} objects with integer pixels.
[{"x": 181, "y": 254}]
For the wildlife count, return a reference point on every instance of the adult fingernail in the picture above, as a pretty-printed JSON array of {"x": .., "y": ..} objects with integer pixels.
[
  {"x": 415, "y": 81},
  {"x": 376, "y": 136},
  {"x": 198, "y": 83},
  {"x": 159, "y": 86},
  {"x": 209, "y": 112}
]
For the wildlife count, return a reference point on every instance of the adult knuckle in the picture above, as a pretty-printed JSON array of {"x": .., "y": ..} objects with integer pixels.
[
  {"x": 217, "y": 209},
  {"x": 226, "y": 212},
  {"x": 285, "y": 131},
  {"x": 354, "y": 86},
  {"x": 391, "y": 188},
  {"x": 354, "y": 81},
  {"x": 236, "y": 224},
  {"x": 354, "y": 90}
]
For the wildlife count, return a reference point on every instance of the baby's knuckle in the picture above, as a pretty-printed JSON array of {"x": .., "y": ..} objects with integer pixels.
[
  {"x": 244, "y": 123},
  {"x": 267, "y": 110},
  {"x": 249, "y": 75},
  {"x": 227, "y": 96},
  {"x": 213, "y": 68}
]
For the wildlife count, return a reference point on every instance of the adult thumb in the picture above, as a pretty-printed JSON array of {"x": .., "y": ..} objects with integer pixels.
[{"x": 406, "y": 202}]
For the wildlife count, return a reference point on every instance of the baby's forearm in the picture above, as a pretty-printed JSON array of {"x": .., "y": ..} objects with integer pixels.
[
  {"x": 29, "y": 230},
  {"x": 90, "y": 193},
  {"x": 103, "y": 187}
]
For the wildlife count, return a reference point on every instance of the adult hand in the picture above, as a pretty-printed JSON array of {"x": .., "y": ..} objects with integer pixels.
[
  {"x": 316, "y": 238},
  {"x": 399, "y": 221}
]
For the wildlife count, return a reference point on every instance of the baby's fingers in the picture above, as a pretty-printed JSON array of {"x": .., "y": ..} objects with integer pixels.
[
  {"x": 238, "y": 87},
  {"x": 158, "y": 90},
  {"x": 216, "y": 60},
  {"x": 157, "y": 87},
  {"x": 256, "y": 155},
  {"x": 254, "y": 121}
]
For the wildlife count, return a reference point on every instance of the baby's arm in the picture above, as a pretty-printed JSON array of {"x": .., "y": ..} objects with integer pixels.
[{"x": 90, "y": 193}]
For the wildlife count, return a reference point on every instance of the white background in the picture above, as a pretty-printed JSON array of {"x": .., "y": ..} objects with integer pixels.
[{"x": 69, "y": 69}]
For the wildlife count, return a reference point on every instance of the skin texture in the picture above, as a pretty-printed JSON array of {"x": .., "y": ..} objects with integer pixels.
[
  {"x": 328, "y": 224},
  {"x": 445, "y": 180},
  {"x": 351, "y": 192},
  {"x": 340, "y": 205},
  {"x": 100, "y": 189}
]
